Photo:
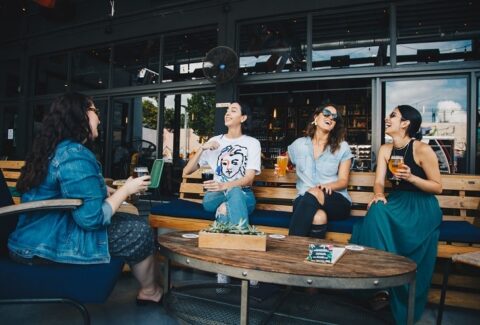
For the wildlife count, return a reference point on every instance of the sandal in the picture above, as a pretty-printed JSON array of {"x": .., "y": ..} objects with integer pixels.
[{"x": 380, "y": 300}]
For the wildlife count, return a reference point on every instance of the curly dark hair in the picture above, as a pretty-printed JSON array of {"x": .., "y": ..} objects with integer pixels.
[
  {"x": 336, "y": 136},
  {"x": 66, "y": 119}
]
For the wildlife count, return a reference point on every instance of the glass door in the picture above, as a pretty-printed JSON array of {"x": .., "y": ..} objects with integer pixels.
[
  {"x": 134, "y": 133},
  {"x": 189, "y": 120}
]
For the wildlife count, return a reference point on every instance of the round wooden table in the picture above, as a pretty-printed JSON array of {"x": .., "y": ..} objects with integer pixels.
[{"x": 284, "y": 263}]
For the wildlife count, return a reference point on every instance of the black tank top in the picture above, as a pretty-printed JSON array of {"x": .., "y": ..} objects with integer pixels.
[{"x": 407, "y": 153}]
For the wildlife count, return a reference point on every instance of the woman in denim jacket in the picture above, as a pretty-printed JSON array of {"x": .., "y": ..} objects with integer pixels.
[
  {"x": 322, "y": 162},
  {"x": 61, "y": 165}
]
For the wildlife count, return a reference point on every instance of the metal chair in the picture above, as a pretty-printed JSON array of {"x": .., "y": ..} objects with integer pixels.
[{"x": 74, "y": 284}]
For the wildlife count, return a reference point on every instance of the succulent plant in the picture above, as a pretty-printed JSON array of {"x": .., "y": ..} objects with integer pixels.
[{"x": 230, "y": 228}]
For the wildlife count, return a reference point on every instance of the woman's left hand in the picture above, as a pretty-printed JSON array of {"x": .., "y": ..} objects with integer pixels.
[
  {"x": 213, "y": 186},
  {"x": 326, "y": 188}
]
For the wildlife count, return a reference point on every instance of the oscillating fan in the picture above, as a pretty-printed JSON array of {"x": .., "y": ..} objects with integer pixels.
[{"x": 220, "y": 64}]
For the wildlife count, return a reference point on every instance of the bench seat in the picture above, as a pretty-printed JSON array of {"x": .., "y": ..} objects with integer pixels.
[{"x": 450, "y": 231}]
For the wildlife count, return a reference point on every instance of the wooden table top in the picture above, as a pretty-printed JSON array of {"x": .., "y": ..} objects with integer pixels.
[{"x": 287, "y": 256}]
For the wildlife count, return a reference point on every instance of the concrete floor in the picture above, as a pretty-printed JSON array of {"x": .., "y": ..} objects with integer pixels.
[{"x": 120, "y": 309}]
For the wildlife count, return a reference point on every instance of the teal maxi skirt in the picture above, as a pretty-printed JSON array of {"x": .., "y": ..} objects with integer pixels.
[{"x": 408, "y": 225}]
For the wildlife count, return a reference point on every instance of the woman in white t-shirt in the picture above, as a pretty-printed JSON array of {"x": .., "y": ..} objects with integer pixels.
[{"x": 235, "y": 160}]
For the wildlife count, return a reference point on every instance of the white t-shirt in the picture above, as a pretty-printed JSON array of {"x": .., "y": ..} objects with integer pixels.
[{"x": 233, "y": 157}]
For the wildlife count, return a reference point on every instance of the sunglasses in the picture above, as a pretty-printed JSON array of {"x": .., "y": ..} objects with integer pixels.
[
  {"x": 394, "y": 114},
  {"x": 326, "y": 112}
]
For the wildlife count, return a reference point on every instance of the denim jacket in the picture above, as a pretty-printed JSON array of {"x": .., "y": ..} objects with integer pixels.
[
  {"x": 78, "y": 236},
  {"x": 312, "y": 172}
]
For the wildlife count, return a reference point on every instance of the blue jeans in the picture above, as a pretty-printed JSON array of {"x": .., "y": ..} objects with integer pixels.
[{"x": 240, "y": 203}]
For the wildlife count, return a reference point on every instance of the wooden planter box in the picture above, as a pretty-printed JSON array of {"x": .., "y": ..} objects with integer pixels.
[{"x": 232, "y": 241}]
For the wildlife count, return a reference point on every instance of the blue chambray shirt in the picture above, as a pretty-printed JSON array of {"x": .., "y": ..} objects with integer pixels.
[
  {"x": 78, "y": 236},
  {"x": 324, "y": 169}
]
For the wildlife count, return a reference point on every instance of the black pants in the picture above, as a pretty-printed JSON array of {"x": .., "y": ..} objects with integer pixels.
[{"x": 336, "y": 206}]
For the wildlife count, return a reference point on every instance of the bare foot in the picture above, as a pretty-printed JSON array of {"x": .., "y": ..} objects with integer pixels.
[{"x": 149, "y": 294}]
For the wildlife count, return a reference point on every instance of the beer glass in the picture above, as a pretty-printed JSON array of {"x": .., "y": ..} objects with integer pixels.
[
  {"x": 394, "y": 164},
  {"x": 282, "y": 162},
  {"x": 207, "y": 175},
  {"x": 138, "y": 172}
]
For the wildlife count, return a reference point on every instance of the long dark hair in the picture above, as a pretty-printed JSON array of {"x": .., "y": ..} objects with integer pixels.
[
  {"x": 411, "y": 114},
  {"x": 66, "y": 119},
  {"x": 336, "y": 135}
]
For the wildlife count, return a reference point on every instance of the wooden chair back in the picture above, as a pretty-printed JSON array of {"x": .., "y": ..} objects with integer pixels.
[{"x": 459, "y": 200}]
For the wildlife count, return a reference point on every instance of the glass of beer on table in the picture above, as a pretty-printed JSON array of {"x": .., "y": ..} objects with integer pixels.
[{"x": 282, "y": 162}]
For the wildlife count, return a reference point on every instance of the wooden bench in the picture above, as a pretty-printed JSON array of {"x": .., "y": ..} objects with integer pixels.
[
  {"x": 460, "y": 202},
  {"x": 11, "y": 172}
]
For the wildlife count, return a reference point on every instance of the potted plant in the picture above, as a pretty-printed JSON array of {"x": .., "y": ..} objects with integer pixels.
[{"x": 232, "y": 236}]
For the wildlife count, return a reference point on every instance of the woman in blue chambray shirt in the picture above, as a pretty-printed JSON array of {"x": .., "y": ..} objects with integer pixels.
[
  {"x": 61, "y": 165},
  {"x": 322, "y": 162}
]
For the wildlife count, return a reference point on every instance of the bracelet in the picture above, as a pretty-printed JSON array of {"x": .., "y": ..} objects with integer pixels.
[{"x": 378, "y": 194}]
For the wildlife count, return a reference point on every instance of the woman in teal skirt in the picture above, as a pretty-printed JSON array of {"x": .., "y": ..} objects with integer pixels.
[{"x": 407, "y": 223}]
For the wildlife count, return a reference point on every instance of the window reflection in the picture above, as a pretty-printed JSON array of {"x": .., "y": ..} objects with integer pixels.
[
  {"x": 90, "y": 69},
  {"x": 444, "y": 36},
  {"x": 134, "y": 136},
  {"x": 51, "y": 74},
  {"x": 443, "y": 105},
  {"x": 347, "y": 39},
  {"x": 278, "y": 46},
  {"x": 136, "y": 63},
  {"x": 183, "y": 55}
]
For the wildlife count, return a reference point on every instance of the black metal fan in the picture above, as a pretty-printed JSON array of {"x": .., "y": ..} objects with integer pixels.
[{"x": 220, "y": 64}]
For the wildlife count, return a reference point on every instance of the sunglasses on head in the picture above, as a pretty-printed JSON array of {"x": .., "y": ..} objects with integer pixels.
[{"x": 326, "y": 112}]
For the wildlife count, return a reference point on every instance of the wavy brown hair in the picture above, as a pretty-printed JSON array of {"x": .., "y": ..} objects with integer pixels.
[
  {"x": 66, "y": 119},
  {"x": 336, "y": 135}
]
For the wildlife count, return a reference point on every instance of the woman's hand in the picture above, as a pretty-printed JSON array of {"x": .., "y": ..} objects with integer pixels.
[
  {"x": 110, "y": 190},
  {"x": 135, "y": 185},
  {"x": 210, "y": 145},
  {"x": 404, "y": 172},
  {"x": 378, "y": 197},
  {"x": 326, "y": 188},
  {"x": 213, "y": 186}
]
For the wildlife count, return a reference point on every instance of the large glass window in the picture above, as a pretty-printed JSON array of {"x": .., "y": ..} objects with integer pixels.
[
  {"x": 351, "y": 38},
  {"x": 443, "y": 105},
  {"x": 280, "y": 113},
  {"x": 477, "y": 160},
  {"x": 9, "y": 127},
  {"x": 136, "y": 63},
  {"x": 51, "y": 74},
  {"x": 90, "y": 69},
  {"x": 134, "y": 137},
  {"x": 10, "y": 78},
  {"x": 183, "y": 54},
  {"x": 443, "y": 35},
  {"x": 275, "y": 46}
]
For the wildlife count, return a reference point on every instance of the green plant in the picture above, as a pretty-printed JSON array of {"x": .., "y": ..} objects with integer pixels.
[{"x": 230, "y": 228}]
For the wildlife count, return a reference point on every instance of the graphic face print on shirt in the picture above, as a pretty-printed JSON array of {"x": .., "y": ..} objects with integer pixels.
[{"x": 232, "y": 162}]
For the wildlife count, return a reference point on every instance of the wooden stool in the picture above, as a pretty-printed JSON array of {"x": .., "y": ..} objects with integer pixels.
[{"x": 472, "y": 258}]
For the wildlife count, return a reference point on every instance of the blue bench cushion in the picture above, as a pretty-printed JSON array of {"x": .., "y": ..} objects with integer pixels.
[
  {"x": 459, "y": 231},
  {"x": 187, "y": 209},
  {"x": 450, "y": 231},
  {"x": 90, "y": 283}
]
